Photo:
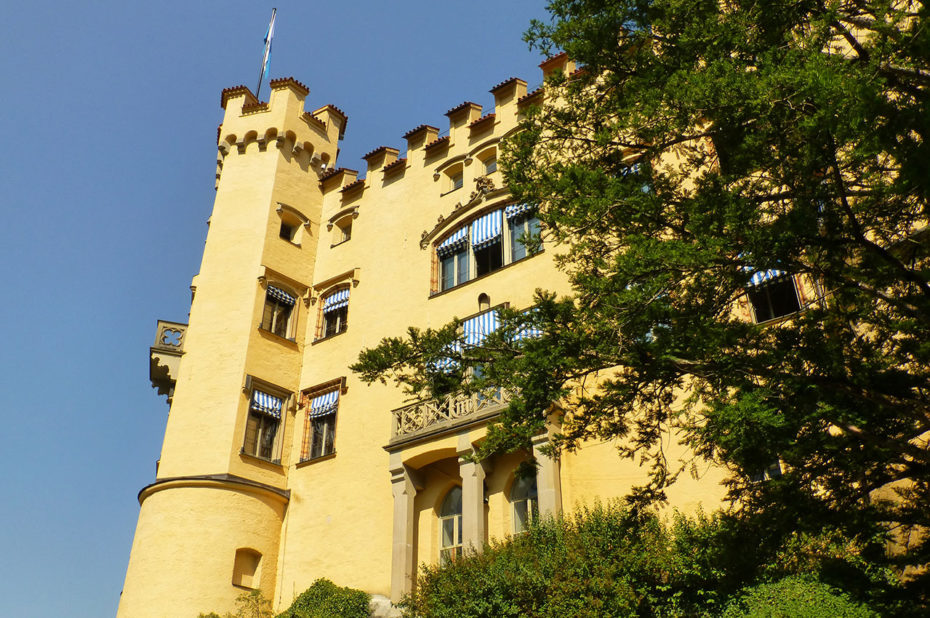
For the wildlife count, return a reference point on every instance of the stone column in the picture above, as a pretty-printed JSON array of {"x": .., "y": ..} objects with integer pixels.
[
  {"x": 473, "y": 527},
  {"x": 403, "y": 568},
  {"x": 548, "y": 480}
]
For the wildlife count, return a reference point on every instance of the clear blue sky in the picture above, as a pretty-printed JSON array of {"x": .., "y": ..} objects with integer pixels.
[{"x": 108, "y": 121}]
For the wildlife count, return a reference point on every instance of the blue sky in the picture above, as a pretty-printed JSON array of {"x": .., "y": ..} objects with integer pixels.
[{"x": 109, "y": 115}]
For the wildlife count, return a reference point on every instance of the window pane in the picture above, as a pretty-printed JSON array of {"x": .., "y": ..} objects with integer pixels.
[
  {"x": 269, "y": 428},
  {"x": 490, "y": 165},
  {"x": 448, "y": 532},
  {"x": 268, "y": 313},
  {"x": 447, "y": 272},
  {"x": 250, "y": 444},
  {"x": 517, "y": 246},
  {"x": 281, "y": 315},
  {"x": 461, "y": 259},
  {"x": 520, "y": 516}
]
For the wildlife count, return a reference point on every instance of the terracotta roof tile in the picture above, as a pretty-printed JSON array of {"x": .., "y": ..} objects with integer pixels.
[
  {"x": 481, "y": 120},
  {"x": 377, "y": 150},
  {"x": 284, "y": 81},
  {"x": 462, "y": 106},
  {"x": 398, "y": 164},
  {"x": 506, "y": 82},
  {"x": 530, "y": 95},
  {"x": 419, "y": 128},
  {"x": 442, "y": 141},
  {"x": 354, "y": 185}
]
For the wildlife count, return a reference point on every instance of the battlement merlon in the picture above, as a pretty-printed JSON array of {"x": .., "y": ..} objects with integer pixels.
[
  {"x": 380, "y": 157},
  {"x": 506, "y": 95},
  {"x": 281, "y": 120},
  {"x": 460, "y": 117}
]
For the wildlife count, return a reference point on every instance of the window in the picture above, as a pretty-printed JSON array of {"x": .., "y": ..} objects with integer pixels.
[
  {"x": 450, "y": 526},
  {"x": 247, "y": 568},
  {"x": 261, "y": 429},
  {"x": 453, "y": 259},
  {"x": 276, "y": 317},
  {"x": 525, "y": 504},
  {"x": 335, "y": 313},
  {"x": 457, "y": 181},
  {"x": 287, "y": 231},
  {"x": 772, "y": 471},
  {"x": 342, "y": 230},
  {"x": 490, "y": 164},
  {"x": 773, "y": 295},
  {"x": 524, "y": 231},
  {"x": 481, "y": 247},
  {"x": 320, "y": 432}
]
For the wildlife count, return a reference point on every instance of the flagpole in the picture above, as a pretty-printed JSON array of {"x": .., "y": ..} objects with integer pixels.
[{"x": 267, "y": 55}]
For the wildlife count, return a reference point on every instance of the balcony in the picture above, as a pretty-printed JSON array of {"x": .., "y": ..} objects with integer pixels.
[
  {"x": 165, "y": 356},
  {"x": 435, "y": 416}
]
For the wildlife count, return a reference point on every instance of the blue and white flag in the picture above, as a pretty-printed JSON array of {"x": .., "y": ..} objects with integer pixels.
[{"x": 268, "y": 36}]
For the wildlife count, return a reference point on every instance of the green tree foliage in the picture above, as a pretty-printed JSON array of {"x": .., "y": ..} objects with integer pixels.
[
  {"x": 701, "y": 143},
  {"x": 251, "y": 604},
  {"x": 609, "y": 561},
  {"x": 324, "y": 599},
  {"x": 797, "y": 597}
]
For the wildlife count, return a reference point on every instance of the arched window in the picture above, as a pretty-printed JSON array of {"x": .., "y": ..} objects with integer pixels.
[
  {"x": 450, "y": 526},
  {"x": 525, "y": 504}
]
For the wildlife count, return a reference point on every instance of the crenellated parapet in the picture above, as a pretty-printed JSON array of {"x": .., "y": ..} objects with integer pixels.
[{"x": 250, "y": 125}]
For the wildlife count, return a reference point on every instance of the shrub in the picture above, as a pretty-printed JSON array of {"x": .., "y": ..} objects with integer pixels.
[
  {"x": 609, "y": 561},
  {"x": 324, "y": 599},
  {"x": 796, "y": 596}
]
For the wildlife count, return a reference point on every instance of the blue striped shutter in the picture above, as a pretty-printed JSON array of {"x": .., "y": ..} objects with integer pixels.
[
  {"x": 266, "y": 404},
  {"x": 280, "y": 295},
  {"x": 336, "y": 300},
  {"x": 486, "y": 230},
  {"x": 324, "y": 404},
  {"x": 479, "y": 327},
  {"x": 515, "y": 210},
  {"x": 761, "y": 276},
  {"x": 454, "y": 242}
]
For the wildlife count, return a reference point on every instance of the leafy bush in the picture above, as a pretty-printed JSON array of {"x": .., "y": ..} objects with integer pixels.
[
  {"x": 609, "y": 561},
  {"x": 796, "y": 597},
  {"x": 248, "y": 605},
  {"x": 324, "y": 599}
]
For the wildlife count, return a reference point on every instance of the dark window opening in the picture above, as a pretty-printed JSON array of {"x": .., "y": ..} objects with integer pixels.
[
  {"x": 322, "y": 436},
  {"x": 774, "y": 299},
  {"x": 489, "y": 258},
  {"x": 287, "y": 231}
]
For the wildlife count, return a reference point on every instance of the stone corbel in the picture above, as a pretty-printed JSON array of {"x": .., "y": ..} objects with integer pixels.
[
  {"x": 262, "y": 144},
  {"x": 240, "y": 146}
]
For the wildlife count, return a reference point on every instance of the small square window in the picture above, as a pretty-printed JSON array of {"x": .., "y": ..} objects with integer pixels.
[{"x": 287, "y": 231}]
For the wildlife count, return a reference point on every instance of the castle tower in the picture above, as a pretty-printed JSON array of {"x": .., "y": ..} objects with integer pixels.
[{"x": 210, "y": 525}]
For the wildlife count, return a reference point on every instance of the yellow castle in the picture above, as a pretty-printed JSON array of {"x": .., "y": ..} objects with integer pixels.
[{"x": 279, "y": 466}]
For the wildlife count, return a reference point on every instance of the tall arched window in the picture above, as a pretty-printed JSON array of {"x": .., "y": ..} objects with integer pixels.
[
  {"x": 525, "y": 504},
  {"x": 450, "y": 526}
]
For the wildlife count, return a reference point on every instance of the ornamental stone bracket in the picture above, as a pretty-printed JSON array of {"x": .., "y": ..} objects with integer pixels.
[{"x": 484, "y": 189}]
